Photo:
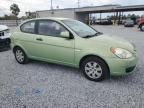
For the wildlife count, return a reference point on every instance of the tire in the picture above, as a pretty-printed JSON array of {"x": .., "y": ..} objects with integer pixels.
[
  {"x": 142, "y": 27},
  {"x": 94, "y": 69},
  {"x": 20, "y": 56},
  {"x": 7, "y": 43}
]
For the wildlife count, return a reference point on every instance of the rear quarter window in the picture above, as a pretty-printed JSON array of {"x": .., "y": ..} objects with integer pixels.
[{"x": 28, "y": 27}]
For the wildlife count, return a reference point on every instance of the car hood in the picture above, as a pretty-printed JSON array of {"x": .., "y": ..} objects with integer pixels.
[
  {"x": 3, "y": 27},
  {"x": 111, "y": 41}
]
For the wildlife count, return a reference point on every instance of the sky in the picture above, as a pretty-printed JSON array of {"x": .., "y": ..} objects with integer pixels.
[{"x": 36, "y": 5}]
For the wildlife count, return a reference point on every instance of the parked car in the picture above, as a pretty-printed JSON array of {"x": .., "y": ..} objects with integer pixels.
[
  {"x": 103, "y": 22},
  {"x": 4, "y": 36},
  {"x": 73, "y": 43},
  {"x": 129, "y": 23},
  {"x": 141, "y": 23}
]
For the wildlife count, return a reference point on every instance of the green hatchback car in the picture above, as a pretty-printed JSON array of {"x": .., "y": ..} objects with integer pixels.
[{"x": 73, "y": 43}]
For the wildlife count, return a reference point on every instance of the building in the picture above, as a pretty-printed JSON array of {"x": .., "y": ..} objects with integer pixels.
[
  {"x": 31, "y": 14},
  {"x": 83, "y": 14}
]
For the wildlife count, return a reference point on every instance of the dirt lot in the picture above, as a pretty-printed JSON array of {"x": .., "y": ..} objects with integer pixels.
[{"x": 44, "y": 85}]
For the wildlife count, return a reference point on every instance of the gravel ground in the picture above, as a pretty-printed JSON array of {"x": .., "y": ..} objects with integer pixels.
[{"x": 45, "y": 85}]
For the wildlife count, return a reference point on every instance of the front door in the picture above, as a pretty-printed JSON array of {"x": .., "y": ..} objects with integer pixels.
[{"x": 50, "y": 45}]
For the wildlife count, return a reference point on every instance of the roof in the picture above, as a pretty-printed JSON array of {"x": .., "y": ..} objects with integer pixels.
[
  {"x": 49, "y": 18},
  {"x": 103, "y": 8},
  {"x": 52, "y": 18},
  {"x": 131, "y": 8},
  {"x": 45, "y": 18},
  {"x": 111, "y": 8},
  {"x": 96, "y": 8}
]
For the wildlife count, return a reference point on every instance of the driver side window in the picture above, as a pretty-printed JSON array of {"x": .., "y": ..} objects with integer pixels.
[{"x": 50, "y": 28}]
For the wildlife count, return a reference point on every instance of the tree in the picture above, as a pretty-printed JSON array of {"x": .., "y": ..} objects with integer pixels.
[
  {"x": 134, "y": 18},
  {"x": 15, "y": 10}
]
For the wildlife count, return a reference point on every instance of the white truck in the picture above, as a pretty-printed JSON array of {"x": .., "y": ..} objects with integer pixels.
[{"x": 4, "y": 36}]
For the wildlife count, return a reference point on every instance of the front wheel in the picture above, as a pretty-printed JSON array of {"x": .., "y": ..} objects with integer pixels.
[
  {"x": 20, "y": 56},
  {"x": 94, "y": 69},
  {"x": 142, "y": 27}
]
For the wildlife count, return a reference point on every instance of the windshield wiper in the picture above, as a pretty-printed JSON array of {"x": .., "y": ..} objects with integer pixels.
[{"x": 96, "y": 34}]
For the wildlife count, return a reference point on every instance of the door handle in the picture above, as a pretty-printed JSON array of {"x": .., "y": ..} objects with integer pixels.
[{"x": 39, "y": 39}]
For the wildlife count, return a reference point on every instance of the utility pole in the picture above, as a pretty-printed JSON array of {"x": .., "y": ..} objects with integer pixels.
[
  {"x": 78, "y": 3},
  {"x": 52, "y": 11},
  {"x": 51, "y": 4}
]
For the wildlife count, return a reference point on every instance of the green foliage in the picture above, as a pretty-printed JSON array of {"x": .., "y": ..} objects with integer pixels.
[
  {"x": 124, "y": 17},
  {"x": 14, "y": 9}
]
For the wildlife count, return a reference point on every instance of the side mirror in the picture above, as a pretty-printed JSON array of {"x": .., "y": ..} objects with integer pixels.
[{"x": 65, "y": 34}]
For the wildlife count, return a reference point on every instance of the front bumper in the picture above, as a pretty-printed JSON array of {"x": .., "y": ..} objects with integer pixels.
[
  {"x": 122, "y": 66},
  {"x": 4, "y": 42},
  {"x": 130, "y": 69}
]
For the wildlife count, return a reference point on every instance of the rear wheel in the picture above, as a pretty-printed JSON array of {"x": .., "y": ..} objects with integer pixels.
[
  {"x": 142, "y": 27},
  {"x": 94, "y": 69},
  {"x": 20, "y": 56}
]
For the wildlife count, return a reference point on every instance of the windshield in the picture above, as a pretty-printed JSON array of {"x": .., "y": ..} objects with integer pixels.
[
  {"x": 80, "y": 28},
  {"x": 129, "y": 21}
]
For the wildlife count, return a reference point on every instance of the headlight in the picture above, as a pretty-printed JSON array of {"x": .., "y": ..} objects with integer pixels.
[
  {"x": 7, "y": 31},
  {"x": 121, "y": 53}
]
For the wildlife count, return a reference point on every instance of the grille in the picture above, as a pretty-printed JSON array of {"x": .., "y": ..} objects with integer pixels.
[{"x": 1, "y": 33}]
